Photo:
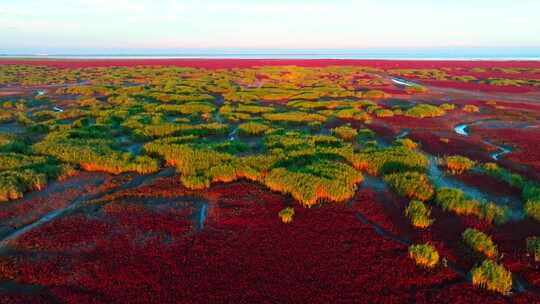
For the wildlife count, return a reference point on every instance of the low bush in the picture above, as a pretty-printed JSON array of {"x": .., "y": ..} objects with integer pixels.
[
  {"x": 296, "y": 117},
  {"x": 419, "y": 214},
  {"x": 492, "y": 276},
  {"x": 345, "y": 132},
  {"x": 424, "y": 255},
  {"x": 532, "y": 209},
  {"x": 412, "y": 185},
  {"x": 407, "y": 143},
  {"x": 471, "y": 108},
  {"x": 381, "y": 113},
  {"x": 316, "y": 183},
  {"x": 375, "y": 94},
  {"x": 458, "y": 164},
  {"x": 93, "y": 151},
  {"x": 480, "y": 242},
  {"x": 253, "y": 128},
  {"x": 424, "y": 110},
  {"x": 494, "y": 170},
  {"x": 533, "y": 247},
  {"x": 454, "y": 200},
  {"x": 389, "y": 160},
  {"x": 286, "y": 215}
]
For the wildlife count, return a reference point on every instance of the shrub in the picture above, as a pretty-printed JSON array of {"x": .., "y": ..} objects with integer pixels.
[
  {"x": 533, "y": 247},
  {"x": 389, "y": 160},
  {"x": 253, "y": 128},
  {"x": 425, "y": 110},
  {"x": 13, "y": 184},
  {"x": 471, "y": 108},
  {"x": 412, "y": 185},
  {"x": 5, "y": 116},
  {"x": 419, "y": 214},
  {"x": 454, "y": 200},
  {"x": 532, "y": 209},
  {"x": 375, "y": 94},
  {"x": 447, "y": 106},
  {"x": 424, "y": 255},
  {"x": 345, "y": 132},
  {"x": 286, "y": 215},
  {"x": 313, "y": 184},
  {"x": 407, "y": 143},
  {"x": 298, "y": 117},
  {"x": 492, "y": 276},
  {"x": 514, "y": 179},
  {"x": 93, "y": 151},
  {"x": 458, "y": 164},
  {"x": 383, "y": 113},
  {"x": 480, "y": 242}
]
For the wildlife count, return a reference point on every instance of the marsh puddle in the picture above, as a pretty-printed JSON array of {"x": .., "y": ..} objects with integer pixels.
[
  {"x": 12, "y": 128},
  {"x": 464, "y": 130},
  {"x": 441, "y": 180}
]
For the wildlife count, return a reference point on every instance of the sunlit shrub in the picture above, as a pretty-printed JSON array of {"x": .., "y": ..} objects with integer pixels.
[
  {"x": 424, "y": 255},
  {"x": 532, "y": 209},
  {"x": 412, "y": 185},
  {"x": 407, "y": 143},
  {"x": 383, "y": 113},
  {"x": 389, "y": 160},
  {"x": 298, "y": 117},
  {"x": 286, "y": 215},
  {"x": 375, "y": 94},
  {"x": 533, "y": 247},
  {"x": 458, "y": 164},
  {"x": 492, "y": 276},
  {"x": 480, "y": 242},
  {"x": 253, "y": 128},
  {"x": 345, "y": 132},
  {"x": 454, "y": 200},
  {"x": 419, "y": 214},
  {"x": 425, "y": 110},
  {"x": 471, "y": 108}
]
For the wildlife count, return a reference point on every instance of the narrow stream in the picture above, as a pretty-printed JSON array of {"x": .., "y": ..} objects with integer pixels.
[
  {"x": 135, "y": 182},
  {"x": 463, "y": 130}
]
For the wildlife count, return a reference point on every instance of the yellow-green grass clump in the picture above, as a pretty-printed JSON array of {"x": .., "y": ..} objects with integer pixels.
[
  {"x": 425, "y": 110},
  {"x": 294, "y": 116},
  {"x": 286, "y": 215},
  {"x": 345, "y": 132},
  {"x": 480, "y": 242},
  {"x": 471, "y": 108},
  {"x": 533, "y": 247},
  {"x": 493, "y": 277},
  {"x": 419, "y": 214},
  {"x": 407, "y": 143},
  {"x": 532, "y": 209},
  {"x": 413, "y": 185},
  {"x": 457, "y": 164},
  {"x": 424, "y": 255},
  {"x": 456, "y": 201},
  {"x": 253, "y": 128},
  {"x": 392, "y": 159}
]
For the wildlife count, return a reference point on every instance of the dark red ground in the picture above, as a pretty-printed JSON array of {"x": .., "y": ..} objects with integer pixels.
[{"x": 127, "y": 248}]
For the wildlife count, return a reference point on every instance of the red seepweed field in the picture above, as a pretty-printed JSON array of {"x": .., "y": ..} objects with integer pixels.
[{"x": 269, "y": 181}]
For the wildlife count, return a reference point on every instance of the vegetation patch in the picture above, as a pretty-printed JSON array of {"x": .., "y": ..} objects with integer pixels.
[
  {"x": 480, "y": 242},
  {"x": 424, "y": 255},
  {"x": 419, "y": 214},
  {"x": 493, "y": 277}
]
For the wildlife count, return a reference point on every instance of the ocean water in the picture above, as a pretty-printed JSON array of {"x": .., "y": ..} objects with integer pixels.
[{"x": 416, "y": 54}]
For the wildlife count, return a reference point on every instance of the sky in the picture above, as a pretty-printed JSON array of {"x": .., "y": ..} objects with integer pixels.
[{"x": 49, "y": 26}]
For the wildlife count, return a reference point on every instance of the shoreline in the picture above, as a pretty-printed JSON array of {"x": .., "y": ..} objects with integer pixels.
[{"x": 246, "y": 63}]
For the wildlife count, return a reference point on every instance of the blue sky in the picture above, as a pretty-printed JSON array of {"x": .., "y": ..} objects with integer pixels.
[{"x": 79, "y": 25}]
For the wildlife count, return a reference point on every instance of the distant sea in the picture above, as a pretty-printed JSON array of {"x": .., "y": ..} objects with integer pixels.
[{"x": 403, "y": 54}]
